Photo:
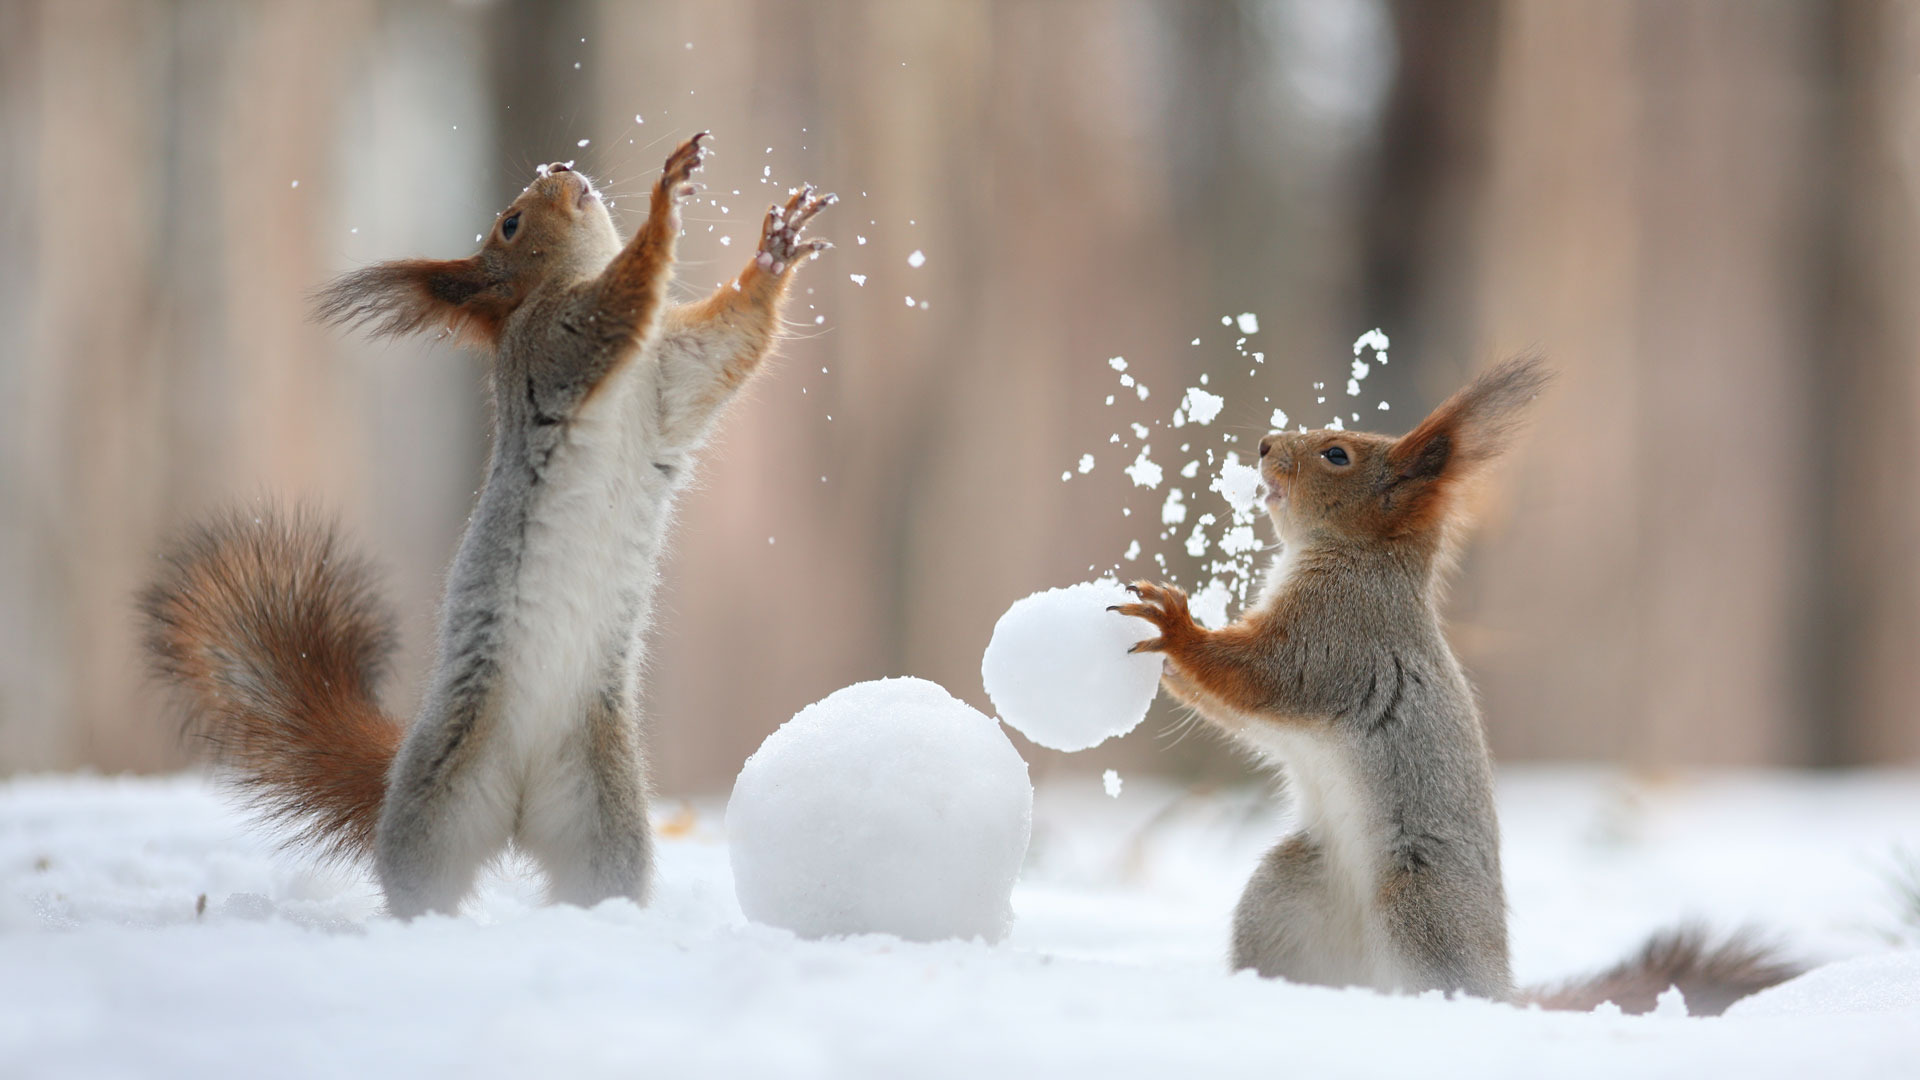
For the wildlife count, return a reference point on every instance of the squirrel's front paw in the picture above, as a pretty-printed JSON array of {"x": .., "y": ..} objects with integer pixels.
[
  {"x": 676, "y": 178},
  {"x": 1165, "y": 606},
  {"x": 780, "y": 242}
]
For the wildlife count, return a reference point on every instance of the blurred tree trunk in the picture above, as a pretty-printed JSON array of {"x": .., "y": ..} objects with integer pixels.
[
  {"x": 1863, "y": 630},
  {"x": 1653, "y": 220},
  {"x": 1424, "y": 218}
]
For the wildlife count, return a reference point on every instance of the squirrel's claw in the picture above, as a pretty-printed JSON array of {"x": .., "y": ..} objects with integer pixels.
[
  {"x": 780, "y": 243},
  {"x": 688, "y": 158},
  {"x": 1166, "y": 608}
]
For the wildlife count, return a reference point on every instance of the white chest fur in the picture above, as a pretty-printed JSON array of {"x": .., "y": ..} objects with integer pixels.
[{"x": 593, "y": 541}]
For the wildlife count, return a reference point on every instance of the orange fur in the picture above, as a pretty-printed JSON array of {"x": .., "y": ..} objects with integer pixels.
[
  {"x": 470, "y": 297},
  {"x": 269, "y": 632},
  {"x": 1710, "y": 977}
]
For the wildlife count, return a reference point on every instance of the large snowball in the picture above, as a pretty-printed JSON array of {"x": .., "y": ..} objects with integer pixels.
[
  {"x": 888, "y": 807},
  {"x": 1058, "y": 670}
]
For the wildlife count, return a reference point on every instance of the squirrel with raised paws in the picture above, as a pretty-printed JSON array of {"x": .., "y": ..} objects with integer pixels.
[
  {"x": 528, "y": 732},
  {"x": 1342, "y": 675}
]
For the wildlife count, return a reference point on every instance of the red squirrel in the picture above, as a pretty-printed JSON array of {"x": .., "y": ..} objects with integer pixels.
[
  {"x": 272, "y": 635},
  {"x": 1342, "y": 674}
]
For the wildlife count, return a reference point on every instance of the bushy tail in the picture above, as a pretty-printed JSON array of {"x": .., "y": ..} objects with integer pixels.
[
  {"x": 274, "y": 641},
  {"x": 1711, "y": 977}
]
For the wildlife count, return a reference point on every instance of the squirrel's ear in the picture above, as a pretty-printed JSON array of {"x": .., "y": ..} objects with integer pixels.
[
  {"x": 460, "y": 295},
  {"x": 1467, "y": 430}
]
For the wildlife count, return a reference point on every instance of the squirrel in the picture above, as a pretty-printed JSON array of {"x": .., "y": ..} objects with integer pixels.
[
  {"x": 270, "y": 632},
  {"x": 1342, "y": 674}
]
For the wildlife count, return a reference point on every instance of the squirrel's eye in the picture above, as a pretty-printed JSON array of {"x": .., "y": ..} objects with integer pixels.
[
  {"x": 510, "y": 226},
  {"x": 1337, "y": 455}
]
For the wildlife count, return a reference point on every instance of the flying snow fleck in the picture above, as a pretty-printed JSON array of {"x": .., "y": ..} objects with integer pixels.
[
  {"x": 1144, "y": 472},
  {"x": 1373, "y": 339},
  {"x": 1278, "y": 419},
  {"x": 858, "y": 279},
  {"x": 1086, "y": 464},
  {"x": 917, "y": 259},
  {"x": 1174, "y": 510},
  {"x": 1210, "y": 605},
  {"x": 1238, "y": 484},
  {"x": 1110, "y": 780},
  {"x": 1199, "y": 406},
  {"x": 1249, "y": 323}
]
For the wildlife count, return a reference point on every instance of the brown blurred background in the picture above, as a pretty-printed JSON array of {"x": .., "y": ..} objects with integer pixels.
[{"x": 1704, "y": 212}]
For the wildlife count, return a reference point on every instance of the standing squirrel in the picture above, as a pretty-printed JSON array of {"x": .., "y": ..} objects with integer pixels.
[
  {"x": 529, "y": 728},
  {"x": 1342, "y": 674}
]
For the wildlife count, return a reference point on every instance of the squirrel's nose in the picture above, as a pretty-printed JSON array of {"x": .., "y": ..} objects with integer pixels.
[
  {"x": 1266, "y": 444},
  {"x": 559, "y": 166}
]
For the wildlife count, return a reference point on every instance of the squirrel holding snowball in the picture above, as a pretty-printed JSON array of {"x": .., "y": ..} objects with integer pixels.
[
  {"x": 270, "y": 631},
  {"x": 1342, "y": 674}
]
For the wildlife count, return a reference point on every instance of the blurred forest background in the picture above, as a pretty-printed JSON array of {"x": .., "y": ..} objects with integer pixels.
[{"x": 1706, "y": 213}]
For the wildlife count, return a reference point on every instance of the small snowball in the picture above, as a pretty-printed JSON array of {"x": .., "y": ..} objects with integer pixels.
[
  {"x": 917, "y": 259},
  {"x": 888, "y": 807},
  {"x": 1086, "y": 463},
  {"x": 1110, "y": 780},
  {"x": 1249, "y": 323},
  {"x": 1118, "y": 363},
  {"x": 1058, "y": 670},
  {"x": 1132, "y": 552},
  {"x": 1278, "y": 419},
  {"x": 857, "y": 279}
]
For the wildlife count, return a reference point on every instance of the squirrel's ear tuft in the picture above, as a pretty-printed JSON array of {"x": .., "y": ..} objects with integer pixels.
[
  {"x": 1468, "y": 429},
  {"x": 390, "y": 299}
]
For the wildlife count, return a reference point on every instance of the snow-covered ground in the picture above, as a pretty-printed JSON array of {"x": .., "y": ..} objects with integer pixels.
[{"x": 108, "y": 967}]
